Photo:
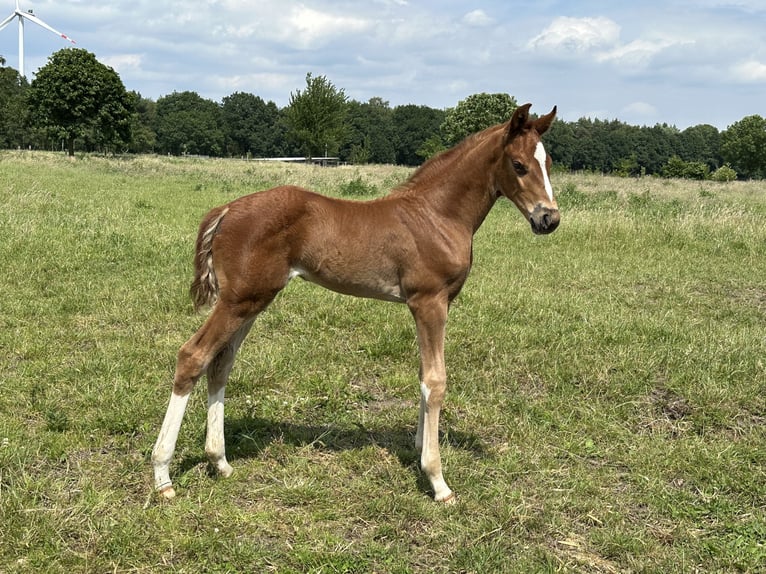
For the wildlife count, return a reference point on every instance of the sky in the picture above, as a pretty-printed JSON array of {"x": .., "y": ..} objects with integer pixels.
[{"x": 680, "y": 62}]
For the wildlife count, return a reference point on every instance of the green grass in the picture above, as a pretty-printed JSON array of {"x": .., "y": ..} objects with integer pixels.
[{"x": 605, "y": 412}]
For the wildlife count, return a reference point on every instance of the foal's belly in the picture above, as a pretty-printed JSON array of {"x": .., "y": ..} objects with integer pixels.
[
  {"x": 371, "y": 286},
  {"x": 359, "y": 285}
]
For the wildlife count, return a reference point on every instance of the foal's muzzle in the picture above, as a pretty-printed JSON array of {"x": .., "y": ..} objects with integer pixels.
[{"x": 544, "y": 219}]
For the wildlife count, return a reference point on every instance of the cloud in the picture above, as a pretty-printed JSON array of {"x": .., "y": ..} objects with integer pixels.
[
  {"x": 565, "y": 35},
  {"x": 640, "y": 109},
  {"x": 123, "y": 62},
  {"x": 296, "y": 25},
  {"x": 750, "y": 71},
  {"x": 598, "y": 40},
  {"x": 309, "y": 27},
  {"x": 268, "y": 81},
  {"x": 477, "y": 18},
  {"x": 636, "y": 53}
]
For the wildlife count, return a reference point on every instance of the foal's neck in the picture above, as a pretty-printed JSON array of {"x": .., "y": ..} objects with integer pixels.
[{"x": 459, "y": 184}]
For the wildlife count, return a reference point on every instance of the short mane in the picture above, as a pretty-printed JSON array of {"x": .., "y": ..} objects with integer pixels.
[{"x": 439, "y": 162}]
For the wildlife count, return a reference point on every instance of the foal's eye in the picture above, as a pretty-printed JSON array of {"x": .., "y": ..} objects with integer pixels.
[{"x": 519, "y": 167}]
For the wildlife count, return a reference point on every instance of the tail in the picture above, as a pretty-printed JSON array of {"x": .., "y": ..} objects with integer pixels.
[{"x": 204, "y": 289}]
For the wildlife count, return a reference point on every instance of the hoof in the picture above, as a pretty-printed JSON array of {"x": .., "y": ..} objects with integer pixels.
[
  {"x": 168, "y": 493},
  {"x": 226, "y": 471},
  {"x": 449, "y": 499}
]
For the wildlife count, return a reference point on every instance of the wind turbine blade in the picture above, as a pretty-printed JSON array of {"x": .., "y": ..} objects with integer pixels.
[
  {"x": 36, "y": 20},
  {"x": 7, "y": 21}
]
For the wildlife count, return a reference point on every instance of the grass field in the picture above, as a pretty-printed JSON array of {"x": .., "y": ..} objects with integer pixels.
[{"x": 606, "y": 409}]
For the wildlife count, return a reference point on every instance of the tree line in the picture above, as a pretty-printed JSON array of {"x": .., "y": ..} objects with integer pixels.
[{"x": 77, "y": 103}]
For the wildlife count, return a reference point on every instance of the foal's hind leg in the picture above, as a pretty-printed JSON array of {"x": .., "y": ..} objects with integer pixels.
[
  {"x": 217, "y": 376},
  {"x": 194, "y": 358}
]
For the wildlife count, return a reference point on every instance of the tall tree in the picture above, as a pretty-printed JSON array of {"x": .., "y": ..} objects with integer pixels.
[
  {"x": 560, "y": 143},
  {"x": 315, "y": 117},
  {"x": 743, "y": 144},
  {"x": 251, "y": 125},
  {"x": 13, "y": 87},
  {"x": 590, "y": 151},
  {"x": 369, "y": 132},
  {"x": 413, "y": 127},
  {"x": 475, "y": 113},
  {"x": 75, "y": 96},
  {"x": 144, "y": 138},
  {"x": 189, "y": 123},
  {"x": 701, "y": 143}
]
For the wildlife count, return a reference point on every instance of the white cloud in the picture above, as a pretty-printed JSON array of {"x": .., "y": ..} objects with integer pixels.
[
  {"x": 598, "y": 39},
  {"x": 236, "y": 32},
  {"x": 123, "y": 62},
  {"x": 309, "y": 27},
  {"x": 477, "y": 18},
  {"x": 267, "y": 81},
  {"x": 640, "y": 109},
  {"x": 750, "y": 71},
  {"x": 565, "y": 35},
  {"x": 636, "y": 53},
  {"x": 458, "y": 86}
]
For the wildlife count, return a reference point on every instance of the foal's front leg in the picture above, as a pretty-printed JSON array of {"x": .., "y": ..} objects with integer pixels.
[{"x": 430, "y": 320}]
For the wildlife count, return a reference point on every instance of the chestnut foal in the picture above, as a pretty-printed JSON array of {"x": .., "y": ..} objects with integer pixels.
[{"x": 412, "y": 246}]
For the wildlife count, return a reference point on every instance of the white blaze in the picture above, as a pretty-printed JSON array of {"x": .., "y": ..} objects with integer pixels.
[{"x": 540, "y": 156}]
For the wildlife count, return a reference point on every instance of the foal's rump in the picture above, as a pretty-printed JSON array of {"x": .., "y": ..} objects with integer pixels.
[
  {"x": 204, "y": 287},
  {"x": 229, "y": 233}
]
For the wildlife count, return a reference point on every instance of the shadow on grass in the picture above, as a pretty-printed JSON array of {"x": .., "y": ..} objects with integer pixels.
[{"x": 249, "y": 437}]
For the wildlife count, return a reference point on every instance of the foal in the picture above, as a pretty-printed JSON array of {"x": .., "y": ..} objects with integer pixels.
[{"x": 413, "y": 246}]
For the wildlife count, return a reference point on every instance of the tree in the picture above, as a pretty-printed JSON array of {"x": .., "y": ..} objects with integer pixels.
[
  {"x": 369, "y": 132},
  {"x": 654, "y": 146},
  {"x": 431, "y": 147},
  {"x": 743, "y": 145},
  {"x": 144, "y": 119},
  {"x": 251, "y": 125},
  {"x": 189, "y": 123},
  {"x": 701, "y": 143},
  {"x": 476, "y": 113},
  {"x": 416, "y": 130},
  {"x": 315, "y": 117},
  {"x": 560, "y": 143},
  {"x": 75, "y": 96},
  {"x": 13, "y": 88},
  {"x": 590, "y": 151}
]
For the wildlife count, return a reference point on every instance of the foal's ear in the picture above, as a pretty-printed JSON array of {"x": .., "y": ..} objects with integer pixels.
[
  {"x": 518, "y": 122},
  {"x": 543, "y": 123}
]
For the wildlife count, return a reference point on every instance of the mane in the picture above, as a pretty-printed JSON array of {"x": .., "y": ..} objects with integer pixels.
[{"x": 438, "y": 163}]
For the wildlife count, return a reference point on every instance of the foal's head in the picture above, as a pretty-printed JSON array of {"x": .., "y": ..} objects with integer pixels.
[{"x": 526, "y": 170}]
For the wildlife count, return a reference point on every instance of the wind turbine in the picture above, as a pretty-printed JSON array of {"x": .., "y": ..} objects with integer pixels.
[{"x": 32, "y": 18}]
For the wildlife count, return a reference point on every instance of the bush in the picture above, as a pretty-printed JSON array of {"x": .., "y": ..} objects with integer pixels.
[
  {"x": 358, "y": 187},
  {"x": 678, "y": 168},
  {"x": 724, "y": 173}
]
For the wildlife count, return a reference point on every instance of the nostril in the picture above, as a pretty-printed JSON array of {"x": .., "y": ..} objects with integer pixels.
[{"x": 544, "y": 219}]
